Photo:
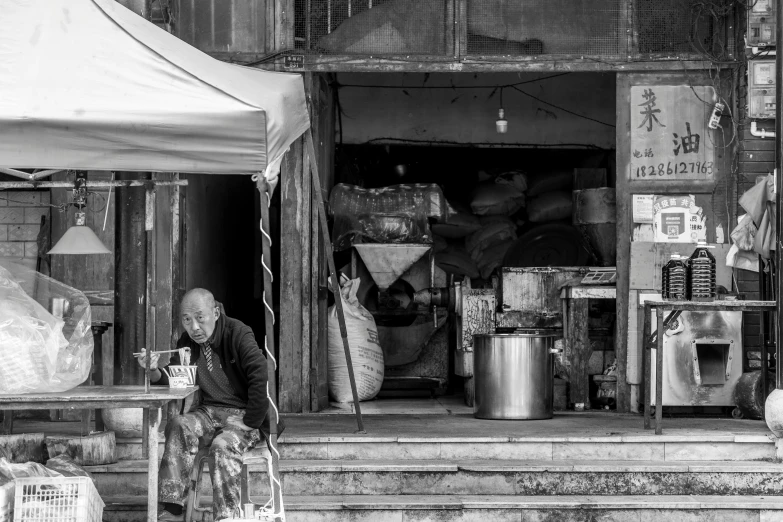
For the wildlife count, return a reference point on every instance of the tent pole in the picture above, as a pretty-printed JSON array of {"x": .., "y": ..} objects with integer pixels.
[
  {"x": 334, "y": 279},
  {"x": 265, "y": 196}
]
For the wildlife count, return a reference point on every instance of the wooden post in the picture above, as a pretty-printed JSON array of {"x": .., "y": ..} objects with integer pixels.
[
  {"x": 646, "y": 364},
  {"x": 269, "y": 341},
  {"x": 659, "y": 373},
  {"x": 334, "y": 280},
  {"x": 149, "y": 309},
  {"x": 153, "y": 414},
  {"x": 778, "y": 282},
  {"x": 130, "y": 283},
  {"x": 579, "y": 345}
]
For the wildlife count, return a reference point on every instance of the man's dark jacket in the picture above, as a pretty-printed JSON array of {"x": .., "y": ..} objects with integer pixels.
[{"x": 242, "y": 360}]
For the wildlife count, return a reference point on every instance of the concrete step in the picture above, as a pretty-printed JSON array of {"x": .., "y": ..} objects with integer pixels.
[
  {"x": 670, "y": 448},
  {"x": 483, "y": 508},
  {"x": 707, "y": 447},
  {"x": 491, "y": 477}
]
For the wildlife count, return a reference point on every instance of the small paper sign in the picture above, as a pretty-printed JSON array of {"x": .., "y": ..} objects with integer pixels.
[{"x": 643, "y": 208}]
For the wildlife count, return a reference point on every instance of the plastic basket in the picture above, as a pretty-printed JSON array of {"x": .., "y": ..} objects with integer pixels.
[{"x": 57, "y": 499}]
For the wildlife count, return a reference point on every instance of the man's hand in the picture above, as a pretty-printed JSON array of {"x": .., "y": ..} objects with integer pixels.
[
  {"x": 235, "y": 421},
  {"x": 153, "y": 359}
]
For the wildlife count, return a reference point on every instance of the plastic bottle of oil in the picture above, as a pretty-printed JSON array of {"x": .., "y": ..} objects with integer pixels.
[
  {"x": 702, "y": 268},
  {"x": 674, "y": 279}
]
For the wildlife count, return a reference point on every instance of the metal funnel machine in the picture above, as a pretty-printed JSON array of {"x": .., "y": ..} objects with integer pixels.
[
  {"x": 595, "y": 215},
  {"x": 386, "y": 263}
]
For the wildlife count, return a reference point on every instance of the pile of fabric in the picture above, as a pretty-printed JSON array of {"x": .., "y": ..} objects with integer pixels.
[{"x": 754, "y": 235}]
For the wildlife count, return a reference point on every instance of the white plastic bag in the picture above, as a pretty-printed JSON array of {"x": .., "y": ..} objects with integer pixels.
[
  {"x": 363, "y": 343},
  {"x": 40, "y": 352}
]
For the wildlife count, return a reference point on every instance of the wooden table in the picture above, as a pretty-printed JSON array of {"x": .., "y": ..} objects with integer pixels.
[
  {"x": 105, "y": 397},
  {"x": 676, "y": 308},
  {"x": 576, "y": 336}
]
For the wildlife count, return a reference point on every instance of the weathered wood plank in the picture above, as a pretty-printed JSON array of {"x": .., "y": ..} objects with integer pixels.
[
  {"x": 624, "y": 233},
  {"x": 478, "y": 64},
  {"x": 716, "y": 306},
  {"x": 83, "y": 397},
  {"x": 291, "y": 230},
  {"x": 89, "y": 450},
  {"x": 305, "y": 246},
  {"x": 580, "y": 351},
  {"x": 25, "y": 447}
]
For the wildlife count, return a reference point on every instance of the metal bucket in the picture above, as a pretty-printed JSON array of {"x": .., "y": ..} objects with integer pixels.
[{"x": 514, "y": 376}]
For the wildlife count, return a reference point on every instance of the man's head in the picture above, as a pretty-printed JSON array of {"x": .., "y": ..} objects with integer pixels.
[{"x": 199, "y": 313}]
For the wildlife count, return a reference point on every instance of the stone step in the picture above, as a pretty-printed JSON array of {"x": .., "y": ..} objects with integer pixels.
[
  {"x": 491, "y": 477},
  {"x": 717, "y": 447},
  {"x": 707, "y": 447},
  {"x": 482, "y": 508}
]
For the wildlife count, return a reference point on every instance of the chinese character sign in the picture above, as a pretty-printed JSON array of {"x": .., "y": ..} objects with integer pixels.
[
  {"x": 677, "y": 219},
  {"x": 670, "y": 139}
]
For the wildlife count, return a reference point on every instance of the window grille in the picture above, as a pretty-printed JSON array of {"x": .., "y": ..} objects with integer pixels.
[
  {"x": 373, "y": 27},
  {"x": 614, "y": 30},
  {"x": 545, "y": 27}
]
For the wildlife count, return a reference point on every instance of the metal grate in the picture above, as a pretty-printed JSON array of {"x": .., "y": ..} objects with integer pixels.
[
  {"x": 676, "y": 27},
  {"x": 372, "y": 27},
  {"x": 606, "y": 29},
  {"x": 547, "y": 27}
]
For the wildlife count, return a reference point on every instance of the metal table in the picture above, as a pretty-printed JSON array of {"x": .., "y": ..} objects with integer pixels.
[
  {"x": 675, "y": 309},
  {"x": 105, "y": 397}
]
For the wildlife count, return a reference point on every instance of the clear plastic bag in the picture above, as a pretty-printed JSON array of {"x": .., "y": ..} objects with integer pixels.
[
  {"x": 395, "y": 214},
  {"x": 41, "y": 351}
]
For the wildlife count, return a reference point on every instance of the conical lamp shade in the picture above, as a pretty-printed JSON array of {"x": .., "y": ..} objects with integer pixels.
[{"x": 79, "y": 239}]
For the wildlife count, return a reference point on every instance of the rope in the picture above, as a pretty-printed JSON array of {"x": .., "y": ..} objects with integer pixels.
[{"x": 268, "y": 510}]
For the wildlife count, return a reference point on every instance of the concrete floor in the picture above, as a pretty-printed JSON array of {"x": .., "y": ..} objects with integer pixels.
[{"x": 448, "y": 417}]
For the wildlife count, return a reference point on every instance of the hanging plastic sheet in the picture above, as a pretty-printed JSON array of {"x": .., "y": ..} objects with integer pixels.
[{"x": 46, "y": 341}]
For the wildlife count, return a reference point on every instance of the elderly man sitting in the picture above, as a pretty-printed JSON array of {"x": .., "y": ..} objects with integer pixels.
[{"x": 232, "y": 416}]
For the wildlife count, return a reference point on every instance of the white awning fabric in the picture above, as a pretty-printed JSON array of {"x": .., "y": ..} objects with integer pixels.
[{"x": 90, "y": 85}]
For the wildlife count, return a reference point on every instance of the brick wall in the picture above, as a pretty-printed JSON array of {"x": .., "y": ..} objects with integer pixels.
[{"x": 20, "y": 222}]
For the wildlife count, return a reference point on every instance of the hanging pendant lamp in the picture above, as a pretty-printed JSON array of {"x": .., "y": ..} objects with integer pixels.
[{"x": 79, "y": 239}]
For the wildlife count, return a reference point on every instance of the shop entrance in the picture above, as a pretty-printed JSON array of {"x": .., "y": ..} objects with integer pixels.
[{"x": 508, "y": 203}]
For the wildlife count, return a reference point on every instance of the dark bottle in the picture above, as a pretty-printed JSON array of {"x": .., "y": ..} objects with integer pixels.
[
  {"x": 676, "y": 279},
  {"x": 702, "y": 274}
]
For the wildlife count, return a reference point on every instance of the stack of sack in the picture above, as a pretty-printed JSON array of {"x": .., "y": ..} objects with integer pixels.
[
  {"x": 472, "y": 243},
  {"x": 549, "y": 197}
]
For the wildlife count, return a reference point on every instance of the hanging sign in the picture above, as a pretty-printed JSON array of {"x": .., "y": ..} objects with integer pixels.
[
  {"x": 670, "y": 138},
  {"x": 677, "y": 219}
]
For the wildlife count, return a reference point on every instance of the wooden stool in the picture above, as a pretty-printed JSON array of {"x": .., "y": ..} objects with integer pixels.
[{"x": 193, "y": 510}]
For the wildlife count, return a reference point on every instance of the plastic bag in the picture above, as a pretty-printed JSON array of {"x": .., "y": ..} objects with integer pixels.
[
  {"x": 363, "y": 343},
  {"x": 395, "y": 214},
  {"x": 41, "y": 352}
]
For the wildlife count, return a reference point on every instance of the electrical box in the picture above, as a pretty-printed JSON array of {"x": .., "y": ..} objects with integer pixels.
[
  {"x": 761, "y": 88},
  {"x": 761, "y": 23}
]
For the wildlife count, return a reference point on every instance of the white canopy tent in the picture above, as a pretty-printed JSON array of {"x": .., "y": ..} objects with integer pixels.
[{"x": 88, "y": 84}]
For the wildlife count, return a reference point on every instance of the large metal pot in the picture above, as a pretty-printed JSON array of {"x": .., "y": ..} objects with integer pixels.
[{"x": 514, "y": 375}]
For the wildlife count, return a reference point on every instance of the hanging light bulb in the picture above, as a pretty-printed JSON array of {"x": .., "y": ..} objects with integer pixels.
[
  {"x": 79, "y": 239},
  {"x": 501, "y": 125}
]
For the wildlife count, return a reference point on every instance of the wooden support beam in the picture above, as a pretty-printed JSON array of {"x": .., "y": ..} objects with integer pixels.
[
  {"x": 334, "y": 279},
  {"x": 90, "y": 184}
]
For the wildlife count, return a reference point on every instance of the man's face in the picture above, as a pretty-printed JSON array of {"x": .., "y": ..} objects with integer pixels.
[{"x": 198, "y": 319}]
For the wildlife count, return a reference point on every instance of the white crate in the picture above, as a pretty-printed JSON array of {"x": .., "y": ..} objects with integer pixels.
[{"x": 57, "y": 499}]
